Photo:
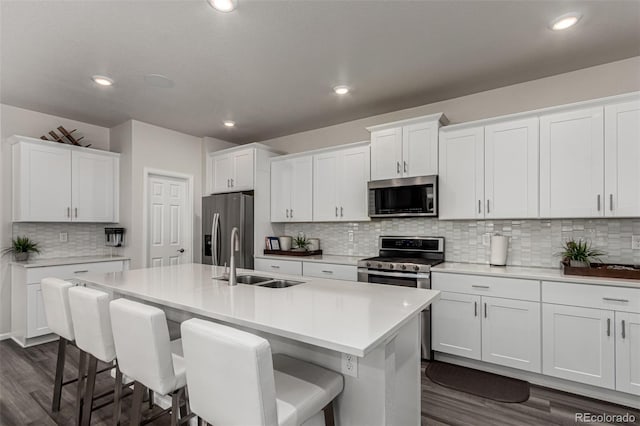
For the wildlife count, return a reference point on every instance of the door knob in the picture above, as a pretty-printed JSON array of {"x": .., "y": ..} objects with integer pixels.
[{"x": 181, "y": 250}]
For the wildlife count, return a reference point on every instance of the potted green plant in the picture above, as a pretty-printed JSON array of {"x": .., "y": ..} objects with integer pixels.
[
  {"x": 301, "y": 243},
  {"x": 580, "y": 254},
  {"x": 22, "y": 247}
]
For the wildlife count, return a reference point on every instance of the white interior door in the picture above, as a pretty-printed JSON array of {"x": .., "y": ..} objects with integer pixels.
[
  {"x": 168, "y": 229},
  {"x": 628, "y": 352}
]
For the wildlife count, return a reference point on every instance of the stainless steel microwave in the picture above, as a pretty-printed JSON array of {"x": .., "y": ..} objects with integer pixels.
[{"x": 404, "y": 197}]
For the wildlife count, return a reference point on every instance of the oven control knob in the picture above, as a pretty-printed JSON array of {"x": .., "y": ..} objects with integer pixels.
[
  {"x": 416, "y": 268},
  {"x": 404, "y": 266},
  {"x": 391, "y": 266},
  {"x": 368, "y": 264},
  {"x": 380, "y": 265}
]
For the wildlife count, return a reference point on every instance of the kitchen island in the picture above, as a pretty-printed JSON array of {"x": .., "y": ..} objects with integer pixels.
[{"x": 376, "y": 327}]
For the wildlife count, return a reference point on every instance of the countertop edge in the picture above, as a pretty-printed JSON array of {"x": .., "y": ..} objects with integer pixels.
[{"x": 334, "y": 259}]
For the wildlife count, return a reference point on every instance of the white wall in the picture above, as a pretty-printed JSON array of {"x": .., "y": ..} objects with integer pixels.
[
  {"x": 589, "y": 83},
  {"x": 18, "y": 121}
]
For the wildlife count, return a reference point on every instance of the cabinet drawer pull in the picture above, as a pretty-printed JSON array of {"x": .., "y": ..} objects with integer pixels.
[
  {"x": 398, "y": 167},
  {"x": 81, "y": 272},
  {"x": 598, "y": 202},
  {"x": 475, "y": 309},
  {"x": 485, "y": 310},
  {"x": 480, "y": 286},
  {"x": 328, "y": 272},
  {"x": 488, "y": 210},
  {"x": 608, "y": 326},
  {"x": 611, "y": 299},
  {"x": 611, "y": 202},
  {"x": 405, "y": 166},
  {"x": 479, "y": 206},
  {"x": 623, "y": 332},
  {"x": 275, "y": 266}
]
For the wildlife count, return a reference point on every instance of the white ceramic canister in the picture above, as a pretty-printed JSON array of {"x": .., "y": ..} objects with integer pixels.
[
  {"x": 499, "y": 250},
  {"x": 314, "y": 244},
  {"x": 285, "y": 243}
]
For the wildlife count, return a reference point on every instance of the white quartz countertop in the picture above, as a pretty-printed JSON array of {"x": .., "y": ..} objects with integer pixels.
[
  {"x": 542, "y": 274},
  {"x": 59, "y": 261},
  {"x": 345, "y": 316},
  {"x": 324, "y": 258}
]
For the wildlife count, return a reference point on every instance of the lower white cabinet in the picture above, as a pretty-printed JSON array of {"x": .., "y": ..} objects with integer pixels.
[
  {"x": 330, "y": 270},
  {"x": 36, "y": 319},
  {"x": 456, "y": 325},
  {"x": 511, "y": 333},
  {"x": 628, "y": 352},
  {"x": 289, "y": 267},
  {"x": 578, "y": 344}
]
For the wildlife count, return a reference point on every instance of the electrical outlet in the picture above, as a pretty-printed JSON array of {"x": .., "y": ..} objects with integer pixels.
[
  {"x": 350, "y": 365},
  {"x": 350, "y": 234},
  {"x": 64, "y": 237},
  {"x": 635, "y": 242},
  {"x": 486, "y": 239}
]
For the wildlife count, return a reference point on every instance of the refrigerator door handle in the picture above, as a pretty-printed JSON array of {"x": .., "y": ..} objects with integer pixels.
[{"x": 214, "y": 238}]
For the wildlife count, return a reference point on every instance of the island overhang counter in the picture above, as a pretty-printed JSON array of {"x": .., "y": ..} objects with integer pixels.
[{"x": 319, "y": 321}]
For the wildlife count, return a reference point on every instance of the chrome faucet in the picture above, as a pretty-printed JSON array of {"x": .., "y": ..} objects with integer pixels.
[{"x": 235, "y": 246}]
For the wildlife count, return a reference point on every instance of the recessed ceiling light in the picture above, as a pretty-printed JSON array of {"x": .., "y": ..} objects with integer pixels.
[
  {"x": 341, "y": 90},
  {"x": 565, "y": 21},
  {"x": 223, "y": 5},
  {"x": 229, "y": 123},
  {"x": 102, "y": 80}
]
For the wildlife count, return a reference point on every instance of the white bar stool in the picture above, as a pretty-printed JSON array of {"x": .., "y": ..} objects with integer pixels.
[
  {"x": 55, "y": 297},
  {"x": 232, "y": 380},
  {"x": 92, "y": 326},
  {"x": 146, "y": 355}
]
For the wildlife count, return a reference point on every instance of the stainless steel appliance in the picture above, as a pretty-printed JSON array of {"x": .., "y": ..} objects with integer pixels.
[
  {"x": 404, "y": 197},
  {"x": 407, "y": 262},
  {"x": 220, "y": 214}
]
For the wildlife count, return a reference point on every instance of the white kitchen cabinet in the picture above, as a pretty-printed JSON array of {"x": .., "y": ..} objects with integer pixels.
[
  {"x": 288, "y": 267},
  {"x": 578, "y": 344},
  {"x": 511, "y": 333},
  {"x": 340, "y": 179},
  {"x": 232, "y": 171},
  {"x": 61, "y": 183},
  {"x": 622, "y": 157},
  {"x": 572, "y": 164},
  {"x": 628, "y": 352},
  {"x": 456, "y": 325},
  {"x": 511, "y": 169},
  {"x": 461, "y": 177},
  {"x": 292, "y": 189},
  {"x": 406, "y": 148},
  {"x": 330, "y": 270},
  {"x": 36, "y": 319}
]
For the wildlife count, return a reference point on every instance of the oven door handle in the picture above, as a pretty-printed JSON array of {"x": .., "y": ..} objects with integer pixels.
[{"x": 393, "y": 274}]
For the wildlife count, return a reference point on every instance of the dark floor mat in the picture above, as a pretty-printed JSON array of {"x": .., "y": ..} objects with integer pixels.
[{"x": 479, "y": 383}]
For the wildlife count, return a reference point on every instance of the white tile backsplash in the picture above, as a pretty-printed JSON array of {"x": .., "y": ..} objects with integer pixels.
[
  {"x": 83, "y": 239},
  {"x": 533, "y": 242}
]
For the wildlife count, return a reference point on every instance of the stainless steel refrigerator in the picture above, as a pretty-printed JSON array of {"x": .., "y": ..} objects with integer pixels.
[{"x": 220, "y": 214}]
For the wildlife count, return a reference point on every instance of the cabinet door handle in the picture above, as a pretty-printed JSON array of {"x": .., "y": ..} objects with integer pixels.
[
  {"x": 291, "y": 213},
  {"x": 287, "y": 213},
  {"x": 612, "y": 299},
  {"x": 275, "y": 266},
  {"x": 398, "y": 167},
  {"x": 485, "y": 309},
  {"x": 608, "y": 326},
  {"x": 480, "y": 286},
  {"x": 68, "y": 211},
  {"x": 328, "y": 272},
  {"x": 341, "y": 211},
  {"x": 623, "y": 332},
  {"x": 228, "y": 184},
  {"x": 598, "y": 202},
  {"x": 488, "y": 210},
  {"x": 232, "y": 183},
  {"x": 336, "y": 211},
  {"x": 475, "y": 309},
  {"x": 611, "y": 202},
  {"x": 405, "y": 166},
  {"x": 479, "y": 206},
  {"x": 76, "y": 211}
]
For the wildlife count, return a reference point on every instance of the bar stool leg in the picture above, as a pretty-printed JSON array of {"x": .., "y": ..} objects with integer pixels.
[
  {"x": 117, "y": 395},
  {"x": 329, "y": 419},
  {"x": 82, "y": 367},
  {"x": 136, "y": 403},
  {"x": 89, "y": 389},
  {"x": 175, "y": 407},
  {"x": 57, "y": 384}
]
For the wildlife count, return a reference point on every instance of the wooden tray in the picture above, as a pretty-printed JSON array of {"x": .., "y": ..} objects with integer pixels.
[
  {"x": 605, "y": 270},
  {"x": 293, "y": 253}
]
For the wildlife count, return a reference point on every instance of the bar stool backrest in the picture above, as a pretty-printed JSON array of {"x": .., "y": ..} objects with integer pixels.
[
  {"x": 55, "y": 297},
  {"x": 92, "y": 322}
]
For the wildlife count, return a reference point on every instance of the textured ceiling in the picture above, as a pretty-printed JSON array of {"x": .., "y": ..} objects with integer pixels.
[{"x": 271, "y": 65}]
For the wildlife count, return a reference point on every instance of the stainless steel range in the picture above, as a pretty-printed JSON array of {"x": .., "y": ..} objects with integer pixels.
[{"x": 405, "y": 261}]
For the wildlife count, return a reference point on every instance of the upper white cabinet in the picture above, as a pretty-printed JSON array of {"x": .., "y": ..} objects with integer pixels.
[
  {"x": 340, "y": 179},
  {"x": 572, "y": 163},
  {"x": 405, "y": 148},
  {"x": 292, "y": 189},
  {"x": 231, "y": 171},
  {"x": 489, "y": 171},
  {"x": 62, "y": 183},
  {"x": 622, "y": 157}
]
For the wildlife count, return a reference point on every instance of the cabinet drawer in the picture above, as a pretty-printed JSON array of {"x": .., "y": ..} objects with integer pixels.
[
  {"x": 592, "y": 296},
  {"x": 290, "y": 267},
  {"x": 329, "y": 270},
  {"x": 508, "y": 288},
  {"x": 35, "y": 275}
]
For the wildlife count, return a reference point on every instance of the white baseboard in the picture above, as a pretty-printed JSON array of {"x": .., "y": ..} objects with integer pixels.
[
  {"x": 5, "y": 336},
  {"x": 595, "y": 392}
]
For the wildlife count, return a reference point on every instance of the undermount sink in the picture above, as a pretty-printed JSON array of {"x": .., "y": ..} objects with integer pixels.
[
  {"x": 252, "y": 279},
  {"x": 261, "y": 281},
  {"x": 280, "y": 283}
]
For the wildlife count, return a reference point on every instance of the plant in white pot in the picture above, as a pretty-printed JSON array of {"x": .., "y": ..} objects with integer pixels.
[
  {"x": 22, "y": 247},
  {"x": 580, "y": 254},
  {"x": 301, "y": 242}
]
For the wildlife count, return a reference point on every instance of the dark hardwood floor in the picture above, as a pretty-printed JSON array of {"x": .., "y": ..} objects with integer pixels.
[{"x": 26, "y": 381}]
